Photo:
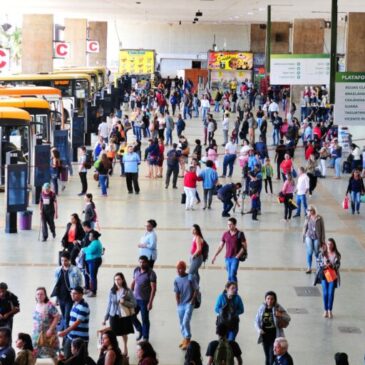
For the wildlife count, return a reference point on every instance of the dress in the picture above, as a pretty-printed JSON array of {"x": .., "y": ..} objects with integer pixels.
[
  {"x": 121, "y": 325},
  {"x": 42, "y": 322}
]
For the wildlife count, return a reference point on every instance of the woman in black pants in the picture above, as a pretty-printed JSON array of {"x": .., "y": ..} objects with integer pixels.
[
  {"x": 311, "y": 172},
  {"x": 288, "y": 191}
]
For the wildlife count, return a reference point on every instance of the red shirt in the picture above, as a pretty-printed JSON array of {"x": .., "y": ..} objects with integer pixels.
[
  {"x": 309, "y": 151},
  {"x": 286, "y": 166},
  {"x": 232, "y": 244},
  {"x": 190, "y": 179}
]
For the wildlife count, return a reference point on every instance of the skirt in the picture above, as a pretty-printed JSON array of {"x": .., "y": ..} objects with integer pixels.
[{"x": 121, "y": 325}]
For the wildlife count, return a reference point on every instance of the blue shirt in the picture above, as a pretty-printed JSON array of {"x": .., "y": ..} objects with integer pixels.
[
  {"x": 93, "y": 251},
  {"x": 80, "y": 311},
  {"x": 185, "y": 288},
  {"x": 150, "y": 239},
  {"x": 131, "y": 162},
  {"x": 210, "y": 178}
]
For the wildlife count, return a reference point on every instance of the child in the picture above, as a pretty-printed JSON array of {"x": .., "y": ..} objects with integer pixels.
[
  {"x": 255, "y": 204},
  {"x": 267, "y": 173},
  {"x": 120, "y": 153},
  {"x": 197, "y": 153}
]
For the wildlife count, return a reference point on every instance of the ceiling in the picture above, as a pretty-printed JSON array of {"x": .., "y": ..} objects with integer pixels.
[{"x": 166, "y": 11}]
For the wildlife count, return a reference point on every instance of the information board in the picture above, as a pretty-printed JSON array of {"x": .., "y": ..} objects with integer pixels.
[
  {"x": 136, "y": 62},
  {"x": 299, "y": 69},
  {"x": 16, "y": 185},
  {"x": 350, "y": 98}
]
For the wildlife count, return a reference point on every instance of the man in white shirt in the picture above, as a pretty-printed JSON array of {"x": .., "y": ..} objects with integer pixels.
[
  {"x": 103, "y": 130},
  {"x": 302, "y": 190},
  {"x": 273, "y": 107},
  {"x": 225, "y": 128},
  {"x": 229, "y": 158},
  {"x": 205, "y": 105}
]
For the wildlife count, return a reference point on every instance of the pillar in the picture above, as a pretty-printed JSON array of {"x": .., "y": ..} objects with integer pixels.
[
  {"x": 98, "y": 31},
  {"x": 355, "y": 44},
  {"x": 308, "y": 36},
  {"x": 76, "y": 34},
  {"x": 37, "y": 43}
]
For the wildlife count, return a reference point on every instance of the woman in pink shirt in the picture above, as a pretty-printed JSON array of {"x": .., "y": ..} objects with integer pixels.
[
  {"x": 196, "y": 252},
  {"x": 288, "y": 191}
]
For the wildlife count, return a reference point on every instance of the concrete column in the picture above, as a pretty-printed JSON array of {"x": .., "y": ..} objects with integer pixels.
[
  {"x": 355, "y": 44},
  {"x": 75, "y": 34},
  {"x": 308, "y": 36},
  {"x": 37, "y": 43},
  {"x": 279, "y": 37},
  {"x": 98, "y": 31}
]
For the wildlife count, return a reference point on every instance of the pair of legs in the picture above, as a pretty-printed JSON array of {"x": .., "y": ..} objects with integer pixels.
[
  {"x": 208, "y": 197},
  {"x": 132, "y": 182},
  {"x": 190, "y": 197},
  {"x": 83, "y": 179},
  {"x": 144, "y": 327},
  {"x": 312, "y": 183},
  {"x": 312, "y": 248},
  {"x": 48, "y": 219},
  {"x": 301, "y": 199},
  {"x": 355, "y": 201},
  {"x": 268, "y": 181},
  {"x": 195, "y": 264},
  {"x": 232, "y": 267},
  {"x": 287, "y": 206},
  {"x": 227, "y": 206},
  {"x": 268, "y": 345},
  {"x": 174, "y": 171},
  {"x": 103, "y": 184},
  {"x": 91, "y": 280},
  {"x": 185, "y": 312},
  {"x": 228, "y": 162},
  {"x": 328, "y": 293}
]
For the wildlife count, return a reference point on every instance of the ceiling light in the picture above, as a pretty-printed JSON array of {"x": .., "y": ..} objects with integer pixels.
[
  {"x": 198, "y": 13},
  {"x": 262, "y": 9},
  {"x": 138, "y": 2},
  {"x": 250, "y": 13}
]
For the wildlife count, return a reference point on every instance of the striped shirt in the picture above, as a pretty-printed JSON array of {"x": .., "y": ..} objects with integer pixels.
[{"x": 80, "y": 311}]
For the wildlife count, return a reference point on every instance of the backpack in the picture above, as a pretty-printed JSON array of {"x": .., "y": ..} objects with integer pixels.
[
  {"x": 205, "y": 251},
  {"x": 172, "y": 157},
  {"x": 88, "y": 162},
  {"x": 243, "y": 257},
  {"x": 223, "y": 355},
  {"x": 227, "y": 315}
]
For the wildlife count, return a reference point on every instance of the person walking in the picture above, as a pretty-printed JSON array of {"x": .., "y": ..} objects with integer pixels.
[
  {"x": 230, "y": 151},
  {"x": 302, "y": 189},
  {"x": 236, "y": 245},
  {"x": 328, "y": 274},
  {"x": 286, "y": 166},
  {"x": 103, "y": 166},
  {"x": 144, "y": 287},
  {"x": 209, "y": 177},
  {"x": 313, "y": 235},
  {"x": 120, "y": 310},
  {"x": 148, "y": 243},
  {"x": 83, "y": 166},
  {"x": 311, "y": 172},
  {"x": 186, "y": 289},
  {"x": 228, "y": 307},
  {"x": 49, "y": 211},
  {"x": 172, "y": 161},
  {"x": 78, "y": 326},
  {"x": 55, "y": 168},
  {"x": 131, "y": 161},
  {"x": 355, "y": 188},
  {"x": 336, "y": 155},
  {"x": 270, "y": 320},
  {"x": 225, "y": 128},
  {"x": 288, "y": 193},
  {"x": 280, "y": 153},
  {"x": 196, "y": 252}
]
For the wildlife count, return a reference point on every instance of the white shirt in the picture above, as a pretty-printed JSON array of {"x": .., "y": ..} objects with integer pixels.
[
  {"x": 205, "y": 103},
  {"x": 103, "y": 129},
  {"x": 245, "y": 149},
  {"x": 302, "y": 184},
  {"x": 231, "y": 148},
  {"x": 225, "y": 124},
  {"x": 273, "y": 107}
]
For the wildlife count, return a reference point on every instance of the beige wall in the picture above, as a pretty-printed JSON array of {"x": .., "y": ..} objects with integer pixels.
[
  {"x": 37, "y": 43},
  {"x": 75, "y": 34},
  {"x": 308, "y": 36},
  {"x": 355, "y": 52},
  {"x": 98, "y": 31}
]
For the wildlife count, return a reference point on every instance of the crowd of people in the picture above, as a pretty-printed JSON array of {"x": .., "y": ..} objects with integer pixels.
[{"x": 63, "y": 334}]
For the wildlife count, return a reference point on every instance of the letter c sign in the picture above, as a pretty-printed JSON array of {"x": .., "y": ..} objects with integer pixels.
[
  {"x": 4, "y": 58},
  {"x": 92, "y": 47},
  {"x": 61, "y": 49}
]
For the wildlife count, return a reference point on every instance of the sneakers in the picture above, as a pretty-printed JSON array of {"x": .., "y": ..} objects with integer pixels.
[{"x": 185, "y": 344}]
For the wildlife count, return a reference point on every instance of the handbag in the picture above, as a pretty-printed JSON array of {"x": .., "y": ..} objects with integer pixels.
[
  {"x": 183, "y": 198},
  {"x": 345, "y": 203},
  {"x": 330, "y": 275},
  {"x": 281, "y": 198},
  {"x": 44, "y": 341},
  {"x": 127, "y": 311},
  {"x": 96, "y": 176}
]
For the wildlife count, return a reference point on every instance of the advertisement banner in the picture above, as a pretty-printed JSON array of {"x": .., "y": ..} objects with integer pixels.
[
  {"x": 136, "y": 62},
  {"x": 230, "y": 61},
  {"x": 300, "y": 69},
  {"x": 350, "y": 98}
]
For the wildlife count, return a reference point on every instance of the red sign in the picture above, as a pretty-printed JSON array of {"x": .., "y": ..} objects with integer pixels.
[
  {"x": 4, "y": 58},
  {"x": 61, "y": 49},
  {"x": 92, "y": 47}
]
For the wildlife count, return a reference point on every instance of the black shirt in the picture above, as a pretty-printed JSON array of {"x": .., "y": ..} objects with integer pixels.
[
  {"x": 268, "y": 325},
  {"x": 63, "y": 284},
  {"x": 6, "y": 305},
  {"x": 214, "y": 344}
]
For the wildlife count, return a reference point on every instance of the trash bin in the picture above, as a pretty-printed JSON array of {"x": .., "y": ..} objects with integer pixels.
[
  {"x": 64, "y": 173},
  {"x": 25, "y": 220}
]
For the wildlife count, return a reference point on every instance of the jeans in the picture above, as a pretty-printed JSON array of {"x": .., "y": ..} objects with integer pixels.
[
  {"x": 143, "y": 328},
  {"x": 328, "y": 292},
  {"x": 208, "y": 197},
  {"x": 205, "y": 111},
  {"x": 54, "y": 182},
  {"x": 231, "y": 334},
  {"x": 232, "y": 267},
  {"x": 190, "y": 197},
  {"x": 196, "y": 111},
  {"x": 65, "y": 307},
  {"x": 187, "y": 110},
  {"x": 103, "y": 182},
  {"x": 227, "y": 206},
  {"x": 132, "y": 178},
  {"x": 185, "y": 312},
  {"x": 301, "y": 199},
  {"x": 83, "y": 178},
  {"x": 312, "y": 247},
  {"x": 168, "y": 133},
  {"x": 138, "y": 133},
  {"x": 228, "y": 161},
  {"x": 268, "y": 345},
  {"x": 195, "y": 264},
  {"x": 225, "y": 136},
  {"x": 174, "y": 171},
  {"x": 216, "y": 106},
  {"x": 91, "y": 280},
  {"x": 338, "y": 166},
  {"x": 121, "y": 166},
  {"x": 355, "y": 201},
  {"x": 275, "y": 136}
]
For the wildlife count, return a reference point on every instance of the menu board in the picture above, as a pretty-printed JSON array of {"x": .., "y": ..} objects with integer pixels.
[
  {"x": 350, "y": 98},
  {"x": 230, "y": 61},
  {"x": 16, "y": 185},
  {"x": 136, "y": 62},
  {"x": 299, "y": 69}
]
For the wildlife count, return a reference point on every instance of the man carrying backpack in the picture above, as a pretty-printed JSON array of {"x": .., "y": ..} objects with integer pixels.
[
  {"x": 223, "y": 351},
  {"x": 172, "y": 159},
  {"x": 186, "y": 290}
]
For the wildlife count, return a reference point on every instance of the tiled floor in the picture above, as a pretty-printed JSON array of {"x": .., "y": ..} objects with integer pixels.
[{"x": 276, "y": 261}]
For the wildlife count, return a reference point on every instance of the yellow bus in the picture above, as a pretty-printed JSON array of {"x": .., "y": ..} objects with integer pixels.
[
  {"x": 15, "y": 135},
  {"x": 39, "y": 111},
  {"x": 51, "y": 94}
]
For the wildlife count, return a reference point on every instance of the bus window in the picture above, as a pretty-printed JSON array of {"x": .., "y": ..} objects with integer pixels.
[
  {"x": 15, "y": 139},
  {"x": 81, "y": 95}
]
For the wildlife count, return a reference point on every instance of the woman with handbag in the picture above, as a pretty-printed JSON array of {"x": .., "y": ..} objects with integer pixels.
[
  {"x": 355, "y": 188},
  {"x": 74, "y": 232},
  {"x": 229, "y": 307},
  {"x": 328, "y": 274},
  {"x": 121, "y": 309},
  {"x": 45, "y": 320},
  {"x": 196, "y": 252},
  {"x": 270, "y": 320}
]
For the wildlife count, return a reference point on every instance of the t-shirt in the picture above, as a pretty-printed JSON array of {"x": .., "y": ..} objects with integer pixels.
[
  {"x": 6, "y": 304},
  {"x": 143, "y": 280},
  {"x": 63, "y": 285},
  {"x": 185, "y": 287},
  {"x": 47, "y": 200},
  {"x": 232, "y": 244},
  {"x": 80, "y": 311},
  {"x": 268, "y": 324},
  {"x": 214, "y": 344},
  {"x": 7, "y": 355}
]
